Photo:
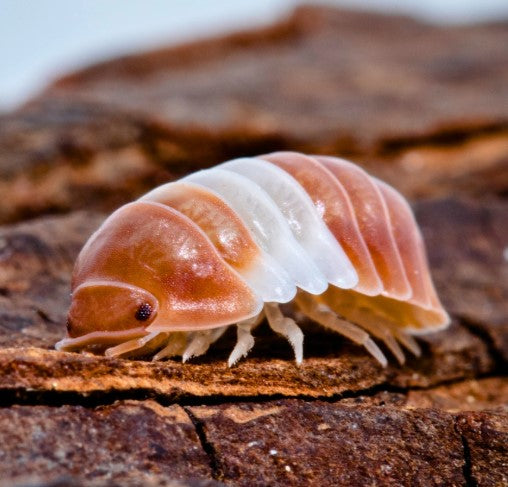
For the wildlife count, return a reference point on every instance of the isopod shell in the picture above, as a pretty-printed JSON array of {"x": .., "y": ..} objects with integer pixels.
[{"x": 167, "y": 274}]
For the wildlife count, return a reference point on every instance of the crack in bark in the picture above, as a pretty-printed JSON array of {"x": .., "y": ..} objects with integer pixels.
[
  {"x": 207, "y": 446},
  {"x": 467, "y": 468},
  {"x": 53, "y": 398}
]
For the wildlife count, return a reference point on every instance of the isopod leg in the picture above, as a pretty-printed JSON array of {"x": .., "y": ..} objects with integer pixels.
[
  {"x": 377, "y": 327},
  {"x": 406, "y": 340},
  {"x": 286, "y": 327},
  {"x": 200, "y": 342},
  {"x": 245, "y": 341},
  {"x": 176, "y": 345},
  {"x": 326, "y": 317},
  {"x": 391, "y": 331},
  {"x": 139, "y": 345}
]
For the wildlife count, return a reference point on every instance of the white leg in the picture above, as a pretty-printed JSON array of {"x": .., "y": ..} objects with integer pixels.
[
  {"x": 380, "y": 328},
  {"x": 405, "y": 339},
  {"x": 286, "y": 327},
  {"x": 200, "y": 342},
  {"x": 175, "y": 346},
  {"x": 245, "y": 341},
  {"x": 131, "y": 345},
  {"x": 408, "y": 341},
  {"x": 327, "y": 318}
]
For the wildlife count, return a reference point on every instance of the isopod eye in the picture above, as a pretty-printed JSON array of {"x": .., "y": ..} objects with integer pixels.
[
  {"x": 143, "y": 312},
  {"x": 68, "y": 325}
]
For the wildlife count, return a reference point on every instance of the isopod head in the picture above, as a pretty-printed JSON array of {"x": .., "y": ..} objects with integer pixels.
[
  {"x": 107, "y": 312},
  {"x": 150, "y": 269}
]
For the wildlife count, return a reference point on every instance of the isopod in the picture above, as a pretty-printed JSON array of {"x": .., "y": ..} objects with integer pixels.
[{"x": 167, "y": 274}]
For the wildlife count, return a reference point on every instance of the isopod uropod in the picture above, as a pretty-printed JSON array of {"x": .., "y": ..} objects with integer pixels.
[{"x": 167, "y": 274}]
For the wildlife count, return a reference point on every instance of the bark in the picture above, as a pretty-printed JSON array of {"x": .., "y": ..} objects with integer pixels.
[{"x": 424, "y": 107}]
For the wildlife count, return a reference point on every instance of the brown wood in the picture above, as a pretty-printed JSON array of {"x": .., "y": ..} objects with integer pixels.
[{"x": 423, "y": 107}]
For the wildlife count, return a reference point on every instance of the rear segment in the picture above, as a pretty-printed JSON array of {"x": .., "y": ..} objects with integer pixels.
[
  {"x": 425, "y": 311},
  {"x": 394, "y": 297}
]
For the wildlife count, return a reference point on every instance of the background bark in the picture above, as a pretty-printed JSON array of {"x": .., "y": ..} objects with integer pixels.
[{"x": 423, "y": 107}]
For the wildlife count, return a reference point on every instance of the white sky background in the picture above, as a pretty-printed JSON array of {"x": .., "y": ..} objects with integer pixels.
[{"x": 41, "y": 39}]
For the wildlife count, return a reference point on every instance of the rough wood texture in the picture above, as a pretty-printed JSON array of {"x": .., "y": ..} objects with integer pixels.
[
  {"x": 433, "y": 124},
  {"x": 332, "y": 444},
  {"x": 116, "y": 442}
]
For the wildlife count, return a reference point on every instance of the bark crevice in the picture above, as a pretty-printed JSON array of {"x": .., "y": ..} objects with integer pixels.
[{"x": 206, "y": 445}]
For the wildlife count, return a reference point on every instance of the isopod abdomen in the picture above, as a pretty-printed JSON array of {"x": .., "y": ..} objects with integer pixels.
[{"x": 167, "y": 274}]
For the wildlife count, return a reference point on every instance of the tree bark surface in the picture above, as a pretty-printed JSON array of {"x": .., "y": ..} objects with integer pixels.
[{"x": 423, "y": 107}]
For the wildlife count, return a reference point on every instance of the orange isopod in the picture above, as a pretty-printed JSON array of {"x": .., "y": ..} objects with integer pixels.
[{"x": 167, "y": 274}]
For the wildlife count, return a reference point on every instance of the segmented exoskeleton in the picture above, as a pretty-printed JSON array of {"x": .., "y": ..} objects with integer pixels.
[{"x": 168, "y": 273}]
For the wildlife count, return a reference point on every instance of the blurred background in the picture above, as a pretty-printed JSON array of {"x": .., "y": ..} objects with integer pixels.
[
  {"x": 44, "y": 39},
  {"x": 117, "y": 97}
]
